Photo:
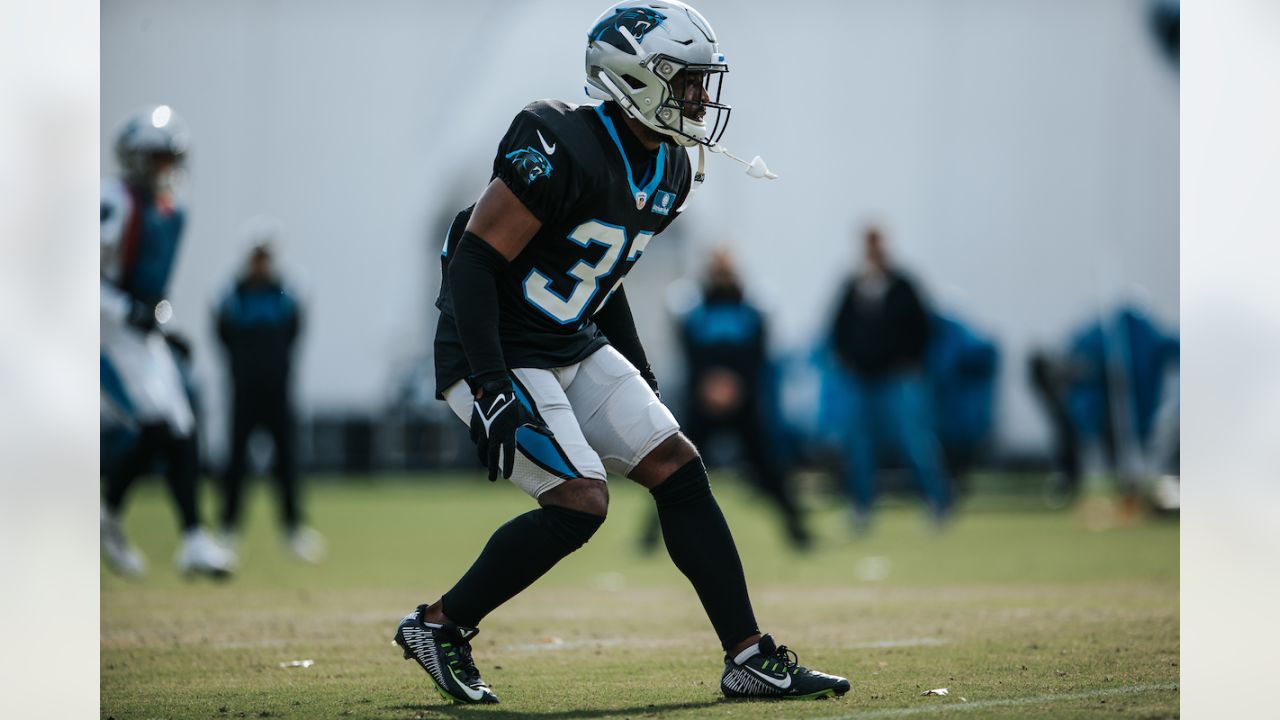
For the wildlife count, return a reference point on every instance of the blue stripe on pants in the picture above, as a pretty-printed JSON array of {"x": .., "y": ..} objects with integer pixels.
[{"x": 542, "y": 450}]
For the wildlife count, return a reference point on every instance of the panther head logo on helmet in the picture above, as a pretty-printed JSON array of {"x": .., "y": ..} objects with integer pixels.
[{"x": 637, "y": 21}]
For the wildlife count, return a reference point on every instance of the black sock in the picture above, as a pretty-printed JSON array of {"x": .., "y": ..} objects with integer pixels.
[
  {"x": 700, "y": 544},
  {"x": 519, "y": 552}
]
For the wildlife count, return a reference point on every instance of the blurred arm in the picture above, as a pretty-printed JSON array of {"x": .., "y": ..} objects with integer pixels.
[
  {"x": 115, "y": 304},
  {"x": 295, "y": 319},
  {"x": 841, "y": 333},
  {"x": 223, "y": 319},
  {"x": 915, "y": 331},
  {"x": 758, "y": 351}
]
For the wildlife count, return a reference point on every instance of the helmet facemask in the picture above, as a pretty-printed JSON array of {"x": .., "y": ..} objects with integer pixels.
[
  {"x": 692, "y": 92},
  {"x": 157, "y": 173}
]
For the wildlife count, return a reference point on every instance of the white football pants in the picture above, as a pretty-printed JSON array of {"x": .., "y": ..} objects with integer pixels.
[{"x": 602, "y": 413}]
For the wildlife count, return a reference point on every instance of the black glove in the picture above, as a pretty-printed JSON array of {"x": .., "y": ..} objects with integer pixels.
[
  {"x": 142, "y": 316},
  {"x": 496, "y": 415},
  {"x": 647, "y": 373}
]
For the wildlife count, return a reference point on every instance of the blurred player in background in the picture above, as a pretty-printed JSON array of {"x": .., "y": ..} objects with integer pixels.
[
  {"x": 1051, "y": 377},
  {"x": 141, "y": 229},
  {"x": 725, "y": 345},
  {"x": 258, "y": 322},
  {"x": 880, "y": 336},
  {"x": 537, "y": 349}
]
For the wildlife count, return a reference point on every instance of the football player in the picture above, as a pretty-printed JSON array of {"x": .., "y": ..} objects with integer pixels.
[
  {"x": 536, "y": 347},
  {"x": 141, "y": 227}
]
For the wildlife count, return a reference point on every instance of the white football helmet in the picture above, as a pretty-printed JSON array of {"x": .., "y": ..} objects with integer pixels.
[
  {"x": 635, "y": 51},
  {"x": 151, "y": 146}
]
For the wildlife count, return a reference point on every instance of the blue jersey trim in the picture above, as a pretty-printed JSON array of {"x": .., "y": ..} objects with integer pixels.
[{"x": 650, "y": 182}]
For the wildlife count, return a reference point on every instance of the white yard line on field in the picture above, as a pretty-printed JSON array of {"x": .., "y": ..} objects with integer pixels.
[
  {"x": 556, "y": 643},
  {"x": 251, "y": 644},
  {"x": 955, "y": 706},
  {"x": 908, "y": 642}
]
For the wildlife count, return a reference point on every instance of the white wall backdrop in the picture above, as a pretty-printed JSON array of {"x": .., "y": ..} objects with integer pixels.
[{"x": 1022, "y": 154}]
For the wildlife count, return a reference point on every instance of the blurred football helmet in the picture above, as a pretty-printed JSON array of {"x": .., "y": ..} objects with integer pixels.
[
  {"x": 151, "y": 147},
  {"x": 646, "y": 54}
]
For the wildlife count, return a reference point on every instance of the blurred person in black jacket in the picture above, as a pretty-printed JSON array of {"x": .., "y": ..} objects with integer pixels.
[
  {"x": 880, "y": 336},
  {"x": 258, "y": 323}
]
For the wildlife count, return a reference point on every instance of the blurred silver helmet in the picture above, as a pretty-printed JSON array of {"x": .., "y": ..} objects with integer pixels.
[
  {"x": 642, "y": 54},
  {"x": 152, "y": 145}
]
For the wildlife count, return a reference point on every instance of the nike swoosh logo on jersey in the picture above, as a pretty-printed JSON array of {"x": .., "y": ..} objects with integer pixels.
[
  {"x": 551, "y": 149},
  {"x": 782, "y": 684},
  {"x": 499, "y": 404}
]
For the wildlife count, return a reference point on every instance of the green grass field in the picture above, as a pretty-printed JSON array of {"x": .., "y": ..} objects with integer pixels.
[{"x": 1018, "y": 612}]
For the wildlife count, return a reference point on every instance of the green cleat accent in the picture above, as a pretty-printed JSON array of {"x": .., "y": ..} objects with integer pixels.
[
  {"x": 829, "y": 692},
  {"x": 774, "y": 672},
  {"x": 444, "y": 652}
]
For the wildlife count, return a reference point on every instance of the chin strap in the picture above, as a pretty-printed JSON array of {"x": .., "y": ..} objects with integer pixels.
[{"x": 699, "y": 176}]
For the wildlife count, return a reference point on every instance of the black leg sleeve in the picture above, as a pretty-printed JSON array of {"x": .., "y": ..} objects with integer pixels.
[
  {"x": 519, "y": 552},
  {"x": 700, "y": 544}
]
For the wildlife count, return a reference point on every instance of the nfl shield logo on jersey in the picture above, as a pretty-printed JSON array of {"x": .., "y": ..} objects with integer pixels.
[{"x": 662, "y": 202}]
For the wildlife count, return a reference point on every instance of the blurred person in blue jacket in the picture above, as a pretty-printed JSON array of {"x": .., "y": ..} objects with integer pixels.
[
  {"x": 880, "y": 336},
  {"x": 258, "y": 323},
  {"x": 724, "y": 341},
  {"x": 1111, "y": 388},
  {"x": 146, "y": 413}
]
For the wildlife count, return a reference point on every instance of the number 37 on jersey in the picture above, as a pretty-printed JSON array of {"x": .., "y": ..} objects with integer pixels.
[{"x": 589, "y": 277}]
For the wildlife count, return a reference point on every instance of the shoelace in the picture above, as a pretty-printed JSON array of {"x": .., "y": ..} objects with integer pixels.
[
  {"x": 789, "y": 659},
  {"x": 458, "y": 655}
]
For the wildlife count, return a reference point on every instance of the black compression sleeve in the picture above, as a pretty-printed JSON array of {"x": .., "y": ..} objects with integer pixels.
[
  {"x": 617, "y": 324},
  {"x": 473, "y": 284}
]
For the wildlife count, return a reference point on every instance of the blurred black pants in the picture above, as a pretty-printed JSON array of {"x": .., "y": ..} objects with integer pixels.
[
  {"x": 760, "y": 466},
  {"x": 181, "y": 469},
  {"x": 747, "y": 426},
  {"x": 267, "y": 408}
]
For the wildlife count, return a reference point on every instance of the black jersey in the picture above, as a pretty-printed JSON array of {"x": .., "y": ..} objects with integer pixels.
[{"x": 600, "y": 197}]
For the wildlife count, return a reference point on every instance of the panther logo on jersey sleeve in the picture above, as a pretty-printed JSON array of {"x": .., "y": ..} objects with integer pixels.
[
  {"x": 638, "y": 21},
  {"x": 530, "y": 164}
]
